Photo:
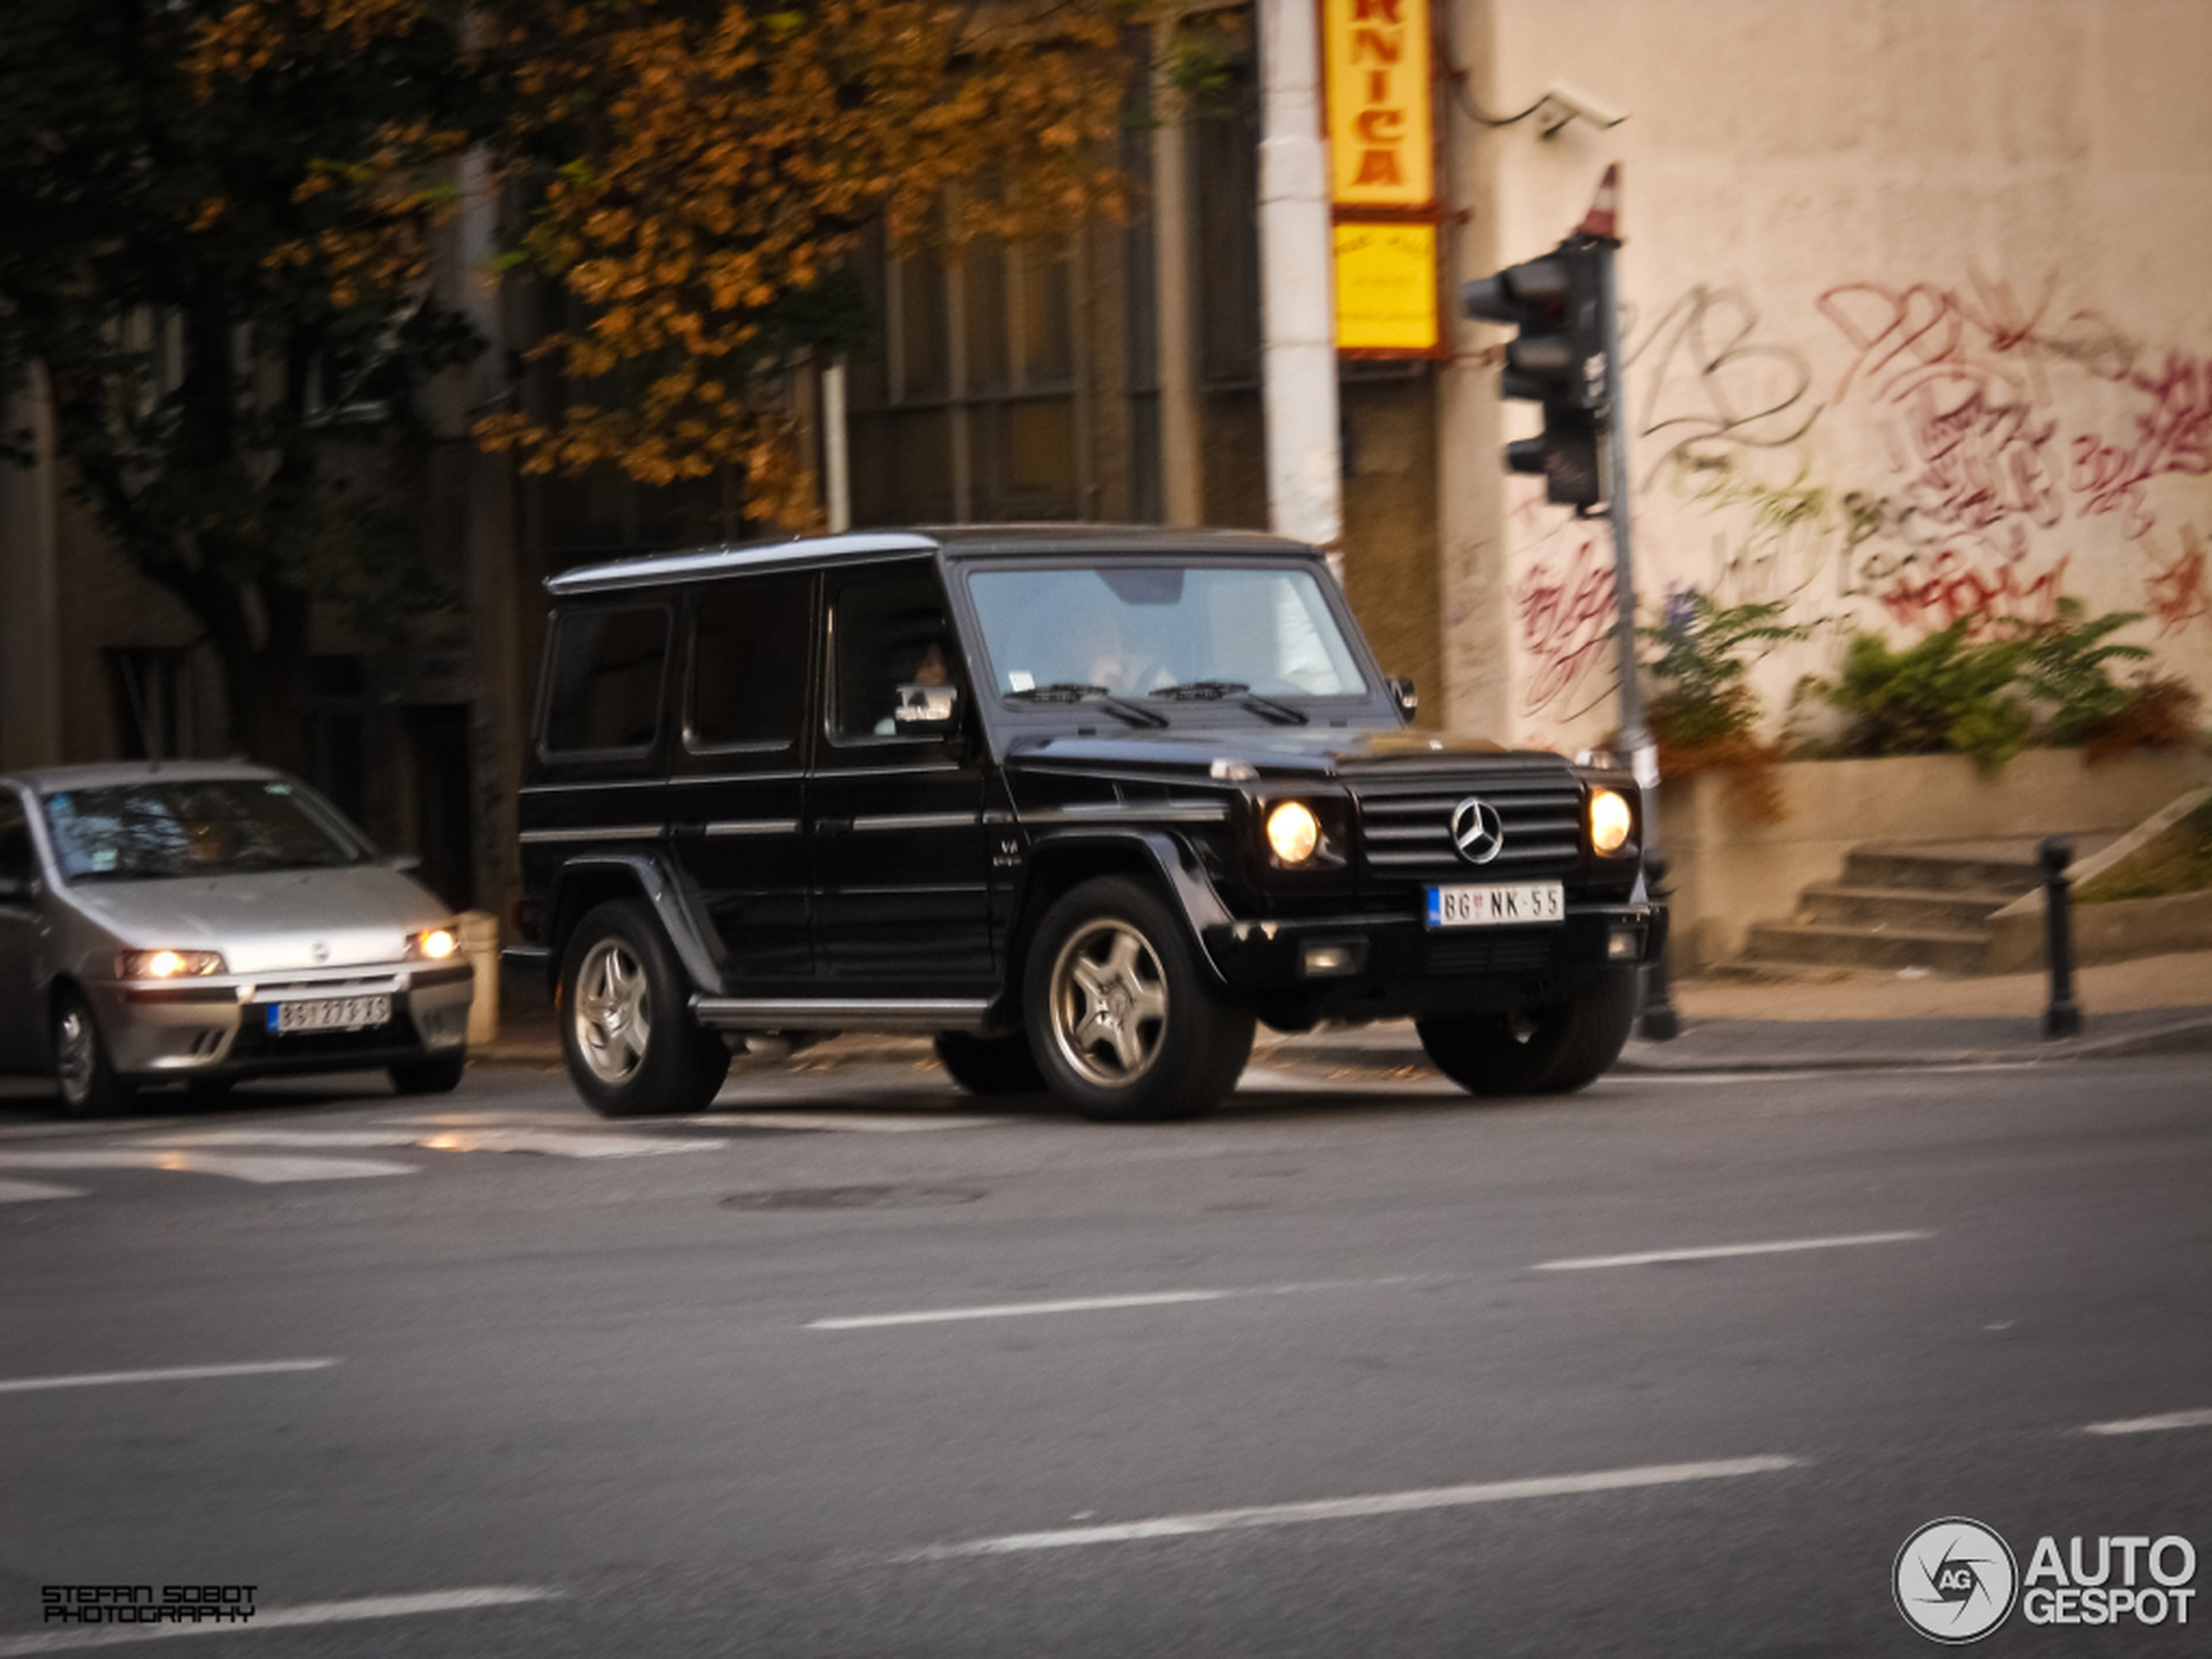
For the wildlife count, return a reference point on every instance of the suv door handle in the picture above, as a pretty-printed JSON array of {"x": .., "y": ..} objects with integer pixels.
[{"x": 833, "y": 825}]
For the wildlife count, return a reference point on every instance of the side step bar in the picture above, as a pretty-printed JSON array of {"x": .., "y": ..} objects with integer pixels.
[{"x": 842, "y": 1014}]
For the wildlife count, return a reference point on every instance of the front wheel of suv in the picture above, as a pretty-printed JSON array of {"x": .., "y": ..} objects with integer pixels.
[
  {"x": 1123, "y": 1018},
  {"x": 1549, "y": 1050},
  {"x": 627, "y": 1032}
]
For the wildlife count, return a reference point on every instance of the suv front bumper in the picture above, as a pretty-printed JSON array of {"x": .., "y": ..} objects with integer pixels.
[{"x": 1384, "y": 965}]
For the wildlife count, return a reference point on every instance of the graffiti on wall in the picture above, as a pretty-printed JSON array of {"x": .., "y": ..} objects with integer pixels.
[{"x": 1908, "y": 457}]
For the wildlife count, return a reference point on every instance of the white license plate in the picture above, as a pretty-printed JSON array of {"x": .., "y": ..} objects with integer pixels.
[
  {"x": 330, "y": 1014},
  {"x": 1497, "y": 904}
]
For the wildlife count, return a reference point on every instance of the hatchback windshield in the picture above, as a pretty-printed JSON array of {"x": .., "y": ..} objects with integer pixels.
[
  {"x": 137, "y": 831},
  {"x": 1163, "y": 632}
]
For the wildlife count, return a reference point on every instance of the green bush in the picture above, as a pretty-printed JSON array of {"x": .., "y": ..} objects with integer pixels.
[
  {"x": 1704, "y": 714},
  {"x": 1947, "y": 695},
  {"x": 1953, "y": 694}
]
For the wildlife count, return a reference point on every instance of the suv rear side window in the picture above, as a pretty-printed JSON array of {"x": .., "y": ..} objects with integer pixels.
[
  {"x": 607, "y": 665},
  {"x": 749, "y": 638}
]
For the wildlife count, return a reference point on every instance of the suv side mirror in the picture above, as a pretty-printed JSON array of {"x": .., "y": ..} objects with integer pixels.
[
  {"x": 1403, "y": 694},
  {"x": 14, "y": 889},
  {"x": 926, "y": 710}
]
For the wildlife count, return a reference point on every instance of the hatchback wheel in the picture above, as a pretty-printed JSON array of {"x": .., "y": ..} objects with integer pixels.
[
  {"x": 630, "y": 1041},
  {"x": 1124, "y": 1019},
  {"x": 83, "y": 1074}
]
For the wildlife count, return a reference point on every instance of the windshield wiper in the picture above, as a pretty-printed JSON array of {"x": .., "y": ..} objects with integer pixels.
[
  {"x": 1072, "y": 691},
  {"x": 1244, "y": 697}
]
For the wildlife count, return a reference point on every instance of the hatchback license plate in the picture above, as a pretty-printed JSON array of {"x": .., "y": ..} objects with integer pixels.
[
  {"x": 330, "y": 1014},
  {"x": 1498, "y": 904}
]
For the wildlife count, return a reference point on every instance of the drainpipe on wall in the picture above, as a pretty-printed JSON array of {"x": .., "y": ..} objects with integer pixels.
[
  {"x": 836, "y": 474},
  {"x": 1298, "y": 299}
]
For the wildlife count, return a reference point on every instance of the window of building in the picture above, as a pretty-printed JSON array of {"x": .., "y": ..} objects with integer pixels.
[
  {"x": 605, "y": 692},
  {"x": 748, "y": 638}
]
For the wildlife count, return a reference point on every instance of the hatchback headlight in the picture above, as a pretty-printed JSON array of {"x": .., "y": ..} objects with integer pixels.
[
  {"x": 433, "y": 944},
  {"x": 168, "y": 964},
  {"x": 1610, "y": 820},
  {"x": 1293, "y": 831}
]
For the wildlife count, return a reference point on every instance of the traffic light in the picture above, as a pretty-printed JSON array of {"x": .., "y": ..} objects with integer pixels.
[{"x": 1557, "y": 360}]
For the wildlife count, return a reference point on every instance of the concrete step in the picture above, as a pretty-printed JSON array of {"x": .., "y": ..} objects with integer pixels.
[
  {"x": 1898, "y": 909},
  {"x": 1947, "y": 951},
  {"x": 1941, "y": 870}
]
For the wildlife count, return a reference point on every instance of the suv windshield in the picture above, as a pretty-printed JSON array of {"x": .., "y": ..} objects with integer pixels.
[
  {"x": 1178, "y": 633},
  {"x": 224, "y": 826}
]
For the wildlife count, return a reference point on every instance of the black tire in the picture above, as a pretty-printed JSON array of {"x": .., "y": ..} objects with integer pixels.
[
  {"x": 1145, "y": 1034},
  {"x": 990, "y": 1065},
  {"x": 439, "y": 1075},
  {"x": 84, "y": 1077},
  {"x": 1543, "y": 1051},
  {"x": 626, "y": 1027}
]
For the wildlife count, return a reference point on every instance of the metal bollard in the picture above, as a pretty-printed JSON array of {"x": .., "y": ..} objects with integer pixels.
[
  {"x": 2062, "y": 1018},
  {"x": 1659, "y": 1022}
]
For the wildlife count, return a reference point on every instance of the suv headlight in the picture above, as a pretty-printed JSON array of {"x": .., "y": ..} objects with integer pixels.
[
  {"x": 1292, "y": 831},
  {"x": 433, "y": 944},
  {"x": 168, "y": 964},
  {"x": 1610, "y": 820}
]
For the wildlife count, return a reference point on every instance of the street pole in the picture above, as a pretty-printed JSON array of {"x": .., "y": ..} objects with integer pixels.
[{"x": 1659, "y": 1021}]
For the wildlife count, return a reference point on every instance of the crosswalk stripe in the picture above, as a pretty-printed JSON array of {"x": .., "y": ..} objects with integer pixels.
[
  {"x": 262, "y": 1171},
  {"x": 32, "y": 1191}
]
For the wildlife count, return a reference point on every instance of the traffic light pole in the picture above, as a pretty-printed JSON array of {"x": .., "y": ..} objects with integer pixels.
[{"x": 1659, "y": 1021}]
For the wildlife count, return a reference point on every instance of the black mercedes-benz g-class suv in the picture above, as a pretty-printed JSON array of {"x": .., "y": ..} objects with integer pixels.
[{"x": 1084, "y": 803}]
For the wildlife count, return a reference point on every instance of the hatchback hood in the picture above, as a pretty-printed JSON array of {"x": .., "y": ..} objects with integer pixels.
[
  {"x": 274, "y": 919},
  {"x": 1325, "y": 751}
]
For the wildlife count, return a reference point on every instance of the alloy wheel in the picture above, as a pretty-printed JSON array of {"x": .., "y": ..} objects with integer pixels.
[
  {"x": 613, "y": 1011},
  {"x": 1109, "y": 1003},
  {"x": 76, "y": 1054}
]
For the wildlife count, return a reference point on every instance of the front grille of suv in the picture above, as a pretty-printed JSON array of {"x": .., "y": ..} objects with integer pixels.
[{"x": 1406, "y": 830}]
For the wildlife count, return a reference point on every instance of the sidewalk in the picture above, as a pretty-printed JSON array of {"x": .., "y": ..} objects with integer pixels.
[{"x": 1820, "y": 1018}]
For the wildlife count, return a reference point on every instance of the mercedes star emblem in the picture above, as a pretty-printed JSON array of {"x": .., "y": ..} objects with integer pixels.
[
  {"x": 1476, "y": 831},
  {"x": 321, "y": 952}
]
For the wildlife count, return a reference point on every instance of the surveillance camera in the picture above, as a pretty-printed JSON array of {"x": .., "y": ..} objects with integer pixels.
[{"x": 1564, "y": 102}]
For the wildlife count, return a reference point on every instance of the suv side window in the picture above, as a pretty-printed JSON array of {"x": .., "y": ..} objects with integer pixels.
[
  {"x": 749, "y": 639},
  {"x": 604, "y": 690},
  {"x": 18, "y": 862},
  {"x": 888, "y": 627}
]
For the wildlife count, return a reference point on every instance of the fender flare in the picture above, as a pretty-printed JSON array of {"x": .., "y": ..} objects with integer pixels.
[
  {"x": 670, "y": 901},
  {"x": 1180, "y": 876}
]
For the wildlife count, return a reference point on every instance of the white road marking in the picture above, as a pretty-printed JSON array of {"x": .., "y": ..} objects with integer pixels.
[
  {"x": 1093, "y": 1304},
  {"x": 557, "y": 1142},
  {"x": 2151, "y": 1425},
  {"x": 262, "y": 1171},
  {"x": 1715, "y": 1252},
  {"x": 173, "y": 1374},
  {"x": 29, "y": 1191},
  {"x": 279, "y": 1618},
  {"x": 1383, "y": 1503},
  {"x": 857, "y": 1122}
]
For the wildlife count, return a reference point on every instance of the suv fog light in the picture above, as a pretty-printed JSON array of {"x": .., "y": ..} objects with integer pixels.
[
  {"x": 1293, "y": 831},
  {"x": 1322, "y": 961},
  {"x": 1610, "y": 820},
  {"x": 1622, "y": 945}
]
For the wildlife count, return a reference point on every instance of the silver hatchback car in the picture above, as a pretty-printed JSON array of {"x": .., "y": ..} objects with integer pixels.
[{"x": 200, "y": 922}]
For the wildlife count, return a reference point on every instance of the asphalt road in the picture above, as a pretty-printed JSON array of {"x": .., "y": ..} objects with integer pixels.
[{"x": 1359, "y": 1366}]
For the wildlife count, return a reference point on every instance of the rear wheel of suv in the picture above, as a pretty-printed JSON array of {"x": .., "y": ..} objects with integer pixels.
[
  {"x": 1541, "y": 1051},
  {"x": 1125, "y": 1020},
  {"x": 83, "y": 1074},
  {"x": 631, "y": 1044},
  {"x": 990, "y": 1065}
]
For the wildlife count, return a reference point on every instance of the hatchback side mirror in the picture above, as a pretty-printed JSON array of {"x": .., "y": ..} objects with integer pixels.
[
  {"x": 1403, "y": 694},
  {"x": 926, "y": 710}
]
